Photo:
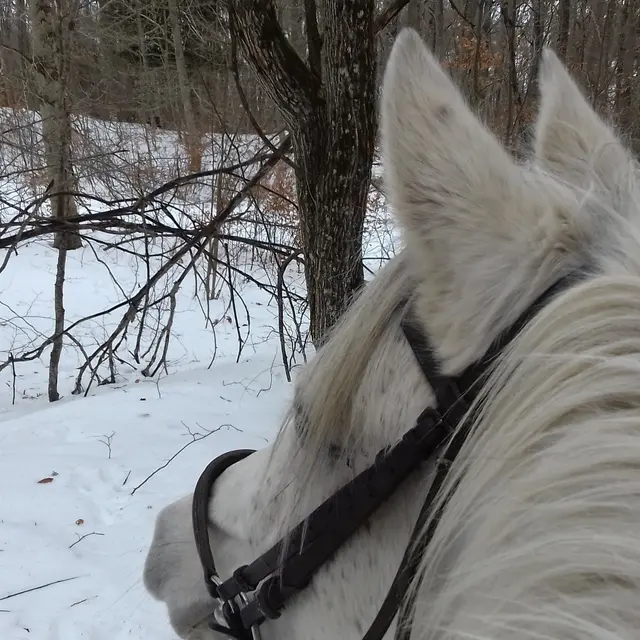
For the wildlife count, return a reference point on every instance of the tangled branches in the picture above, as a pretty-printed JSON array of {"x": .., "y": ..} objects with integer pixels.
[{"x": 169, "y": 241}]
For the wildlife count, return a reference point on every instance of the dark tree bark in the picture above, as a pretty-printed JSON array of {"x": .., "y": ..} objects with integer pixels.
[
  {"x": 625, "y": 70},
  {"x": 415, "y": 15},
  {"x": 564, "y": 15},
  {"x": 329, "y": 107},
  {"x": 52, "y": 37},
  {"x": 509, "y": 9},
  {"x": 594, "y": 54},
  {"x": 438, "y": 27},
  {"x": 538, "y": 9},
  {"x": 475, "y": 90}
]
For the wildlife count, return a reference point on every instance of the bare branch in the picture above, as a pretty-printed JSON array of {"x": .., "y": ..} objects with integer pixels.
[
  {"x": 195, "y": 437},
  {"x": 81, "y": 538},
  {"x": 286, "y": 77},
  {"x": 42, "y": 586},
  {"x": 388, "y": 14}
]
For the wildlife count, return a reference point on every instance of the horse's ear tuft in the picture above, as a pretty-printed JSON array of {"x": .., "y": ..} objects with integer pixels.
[{"x": 571, "y": 140}]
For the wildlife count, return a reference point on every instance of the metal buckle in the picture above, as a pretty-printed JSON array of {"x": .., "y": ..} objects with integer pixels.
[
  {"x": 255, "y": 629},
  {"x": 223, "y": 621},
  {"x": 218, "y": 615}
]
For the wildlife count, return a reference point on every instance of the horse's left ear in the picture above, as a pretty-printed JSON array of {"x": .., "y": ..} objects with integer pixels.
[
  {"x": 480, "y": 230},
  {"x": 441, "y": 165},
  {"x": 571, "y": 139}
]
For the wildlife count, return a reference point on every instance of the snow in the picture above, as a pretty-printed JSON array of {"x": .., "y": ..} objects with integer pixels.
[
  {"x": 145, "y": 422},
  {"x": 89, "y": 522}
]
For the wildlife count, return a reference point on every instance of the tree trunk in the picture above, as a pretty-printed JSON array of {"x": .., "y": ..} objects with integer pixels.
[
  {"x": 475, "y": 90},
  {"x": 538, "y": 8},
  {"x": 414, "y": 15},
  {"x": 193, "y": 143},
  {"x": 564, "y": 14},
  {"x": 509, "y": 13},
  {"x": 438, "y": 28},
  {"x": 52, "y": 38},
  {"x": 595, "y": 46},
  {"x": 211, "y": 281},
  {"x": 58, "y": 340},
  {"x": 634, "y": 81},
  {"x": 625, "y": 81},
  {"x": 331, "y": 117},
  {"x": 332, "y": 206}
]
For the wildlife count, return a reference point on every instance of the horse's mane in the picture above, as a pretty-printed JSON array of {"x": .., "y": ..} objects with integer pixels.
[
  {"x": 525, "y": 548},
  {"x": 321, "y": 412}
]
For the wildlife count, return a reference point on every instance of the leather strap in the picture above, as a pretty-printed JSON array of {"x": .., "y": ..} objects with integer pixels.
[{"x": 200, "y": 512}]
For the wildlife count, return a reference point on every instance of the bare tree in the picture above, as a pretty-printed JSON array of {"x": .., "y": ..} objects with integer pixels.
[
  {"x": 564, "y": 17},
  {"x": 328, "y": 102},
  {"x": 52, "y": 30},
  {"x": 192, "y": 137},
  {"x": 52, "y": 36}
]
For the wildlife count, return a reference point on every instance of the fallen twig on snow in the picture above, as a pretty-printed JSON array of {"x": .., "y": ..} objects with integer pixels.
[
  {"x": 86, "y": 535},
  {"x": 42, "y": 586},
  {"x": 195, "y": 437},
  {"x": 81, "y": 601}
]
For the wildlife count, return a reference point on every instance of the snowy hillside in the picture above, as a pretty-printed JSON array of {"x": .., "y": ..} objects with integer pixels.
[
  {"x": 68, "y": 469},
  {"x": 83, "y": 478}
]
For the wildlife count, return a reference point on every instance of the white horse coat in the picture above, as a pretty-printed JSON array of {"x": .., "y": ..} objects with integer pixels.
[{"x": 540, "y": 538}]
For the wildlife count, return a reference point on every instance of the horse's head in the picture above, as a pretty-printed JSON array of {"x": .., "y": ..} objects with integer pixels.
[
  {"x": 485, "y": 236},
  {"x": 540, "y": 537}
]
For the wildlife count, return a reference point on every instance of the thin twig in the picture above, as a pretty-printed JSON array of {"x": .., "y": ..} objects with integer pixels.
[
  {"x": 281, "y": 272},
  {"x": 13, "y": 379},
  {"x": 233, "y": 305},
  {"x": 86, "y": 535},
  {"x": 195, "y": 437},
  {"x": 107, "y": 442},
  {"x": 81, "y": 601},
  {"x": 42, "y": 586}
]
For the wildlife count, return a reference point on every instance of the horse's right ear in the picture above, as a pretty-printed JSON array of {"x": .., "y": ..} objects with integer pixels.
[{"x": 571, "y": 140}]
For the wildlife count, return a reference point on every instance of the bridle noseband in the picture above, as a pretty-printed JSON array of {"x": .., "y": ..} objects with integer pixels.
[{"x": 288, "y": 567}]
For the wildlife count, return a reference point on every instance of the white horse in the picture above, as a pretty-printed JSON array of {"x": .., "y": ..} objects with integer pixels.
[{"x": 540, "y": 536}]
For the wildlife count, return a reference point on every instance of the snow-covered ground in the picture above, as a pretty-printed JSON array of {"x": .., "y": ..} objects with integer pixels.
[
  {"x": 68, "y": 469},
  {"x": 82, "y": 479}
]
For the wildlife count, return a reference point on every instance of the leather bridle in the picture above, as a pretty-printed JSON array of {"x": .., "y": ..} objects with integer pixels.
[{"x": 259, "y": 591}]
